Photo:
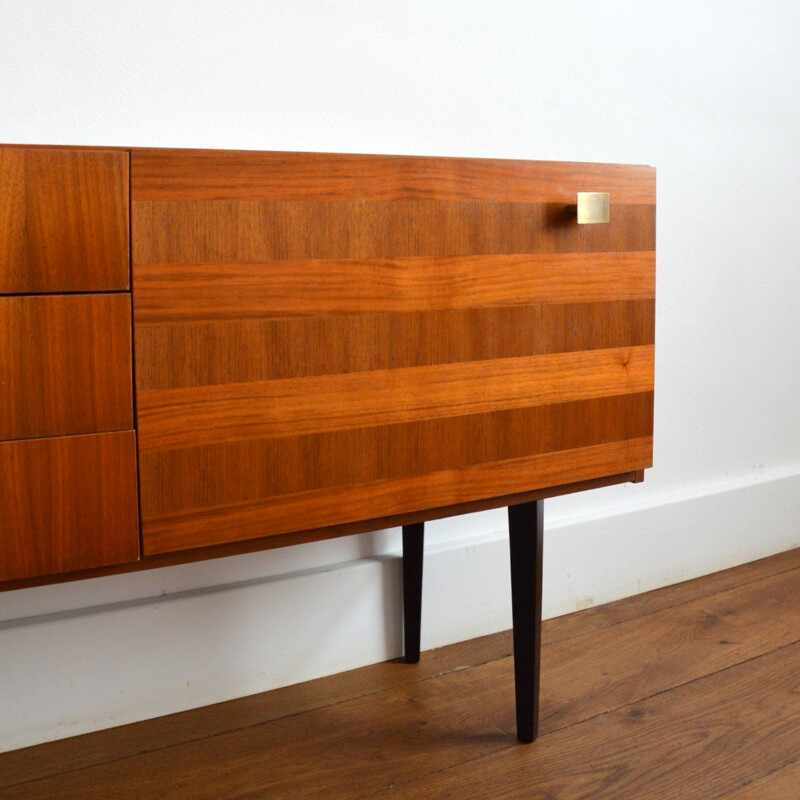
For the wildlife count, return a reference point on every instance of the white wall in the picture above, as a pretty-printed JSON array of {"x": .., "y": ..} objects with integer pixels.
[{"x": 708, "y": 92}]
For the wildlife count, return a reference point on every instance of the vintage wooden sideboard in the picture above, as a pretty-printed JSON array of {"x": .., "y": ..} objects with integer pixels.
[{"x": 204, "y": 353}]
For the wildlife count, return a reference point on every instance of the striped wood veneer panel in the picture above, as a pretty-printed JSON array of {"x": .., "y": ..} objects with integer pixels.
[
  {"x": 172, "y": 418},
  {"x": 322, "y": 339},
  {"x": 181, "y": 293},
  {"x": 448, "y": 487}
]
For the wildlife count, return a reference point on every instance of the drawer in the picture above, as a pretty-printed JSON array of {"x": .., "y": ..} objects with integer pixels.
[
  {"x": 65, "y": 365},
  {"x": 68, "y": 503},
  {"x": 63, "y": 220},
  {"x": 326, "y": 339}
]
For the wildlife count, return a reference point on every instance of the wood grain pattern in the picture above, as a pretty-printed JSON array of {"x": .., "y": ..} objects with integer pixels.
[
  {"x": 701, "y": 740},
  {"x": 188, "y": 417},
  {"x": 68, "y": 503},
  {"x": 63, "y": 220},
  {"x": 260, "y": 350},
  {"x": 778, "y": 785},
  {"x": 180, "y": 294},
  {"x": 13, "y": 212},
  {"x": 319, "y": 330},
  {"x": 726, "y": 628},
  {"x": 221, "y": 232},
  {"x": 65, "y": 365},
  {"x": 234, "y": 472},
  {"x": 168, "y": 174},
  {"x": 323, "y": 507}
]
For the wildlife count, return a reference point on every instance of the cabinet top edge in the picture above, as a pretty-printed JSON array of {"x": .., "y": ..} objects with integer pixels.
[
  {"x": 201, "y": 151},
  {"x": 100, "y": 148}
]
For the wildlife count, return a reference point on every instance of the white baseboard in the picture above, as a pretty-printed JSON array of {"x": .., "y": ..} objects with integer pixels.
[{"x": 84, "y": 669}]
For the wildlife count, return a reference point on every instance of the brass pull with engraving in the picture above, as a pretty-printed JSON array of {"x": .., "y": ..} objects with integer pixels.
[{"x": 592, "y": 208}]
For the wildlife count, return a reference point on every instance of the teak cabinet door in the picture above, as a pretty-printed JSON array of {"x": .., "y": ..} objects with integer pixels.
[
  {"x": 322, "y": 339},
  {"x": 65, "y": 365},
  {"x": 63, "y": 220},
  {"x": 68, "y": 503}
]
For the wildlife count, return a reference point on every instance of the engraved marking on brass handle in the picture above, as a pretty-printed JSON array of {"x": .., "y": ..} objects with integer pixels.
[{"x": 592, "y": 208}]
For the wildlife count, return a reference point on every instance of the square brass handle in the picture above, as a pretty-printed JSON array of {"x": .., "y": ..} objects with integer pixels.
[{"x": 592, "y": 208}]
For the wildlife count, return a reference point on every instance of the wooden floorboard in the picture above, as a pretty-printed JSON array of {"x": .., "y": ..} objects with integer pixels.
[
  {"x": 418, "y": 728},
  {"x": 782, "y": 784},
  {"x": 696, "y": 742}
]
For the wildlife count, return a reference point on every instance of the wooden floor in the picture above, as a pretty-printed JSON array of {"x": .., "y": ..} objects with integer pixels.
[{"x": 692, "y": 691}]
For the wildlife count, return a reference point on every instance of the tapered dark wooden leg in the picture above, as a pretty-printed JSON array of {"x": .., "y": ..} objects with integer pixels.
[
  {"x": 413, "y": 540},
  {"x": 525, "y": 537}
]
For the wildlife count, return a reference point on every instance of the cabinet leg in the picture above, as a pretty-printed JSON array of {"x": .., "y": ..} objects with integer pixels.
[
  {"x": 413, "y": 539},
  {"x": 525, "y": 530}
]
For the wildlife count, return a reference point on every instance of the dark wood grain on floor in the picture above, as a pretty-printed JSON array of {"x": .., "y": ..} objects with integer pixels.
[
  {"x": 783, "y": 784},
  {"x": 689, "y": 691}
]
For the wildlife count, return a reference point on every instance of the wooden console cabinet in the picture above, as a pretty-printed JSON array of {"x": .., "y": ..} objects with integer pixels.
[{"x": 208, "y": 352}]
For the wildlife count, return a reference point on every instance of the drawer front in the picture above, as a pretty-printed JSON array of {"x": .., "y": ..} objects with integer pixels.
[
  {"x": 69, "y": 503},
  {"x": 63, "y": 220},
  {"x": 65, "y": 365},
  {"x": 327, "y": 339}
]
